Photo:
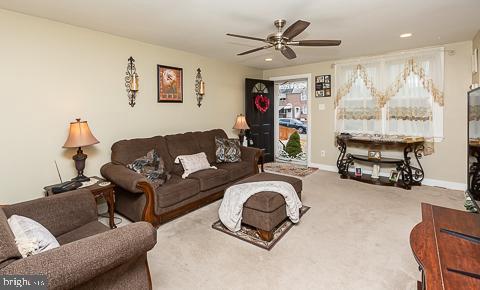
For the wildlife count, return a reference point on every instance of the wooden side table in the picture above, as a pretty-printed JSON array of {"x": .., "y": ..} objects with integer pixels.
[
  {"x": 261, "y": 160},
  {"x": 107, "y": 192}
]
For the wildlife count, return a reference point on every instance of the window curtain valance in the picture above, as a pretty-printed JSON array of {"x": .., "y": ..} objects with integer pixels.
[{"x": 398, "y": 95}]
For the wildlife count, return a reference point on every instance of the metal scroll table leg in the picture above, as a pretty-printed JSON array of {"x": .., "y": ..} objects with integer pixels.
[
  {"x": 407, "y": 175},
  {"x": 418, "y": 173},
  {"x": 341, "y": 160}
]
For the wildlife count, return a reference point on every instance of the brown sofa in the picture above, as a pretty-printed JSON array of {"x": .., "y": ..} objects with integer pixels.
[
  {"x": 90, "y": 256},
  {"x": 137, "y": 200}
]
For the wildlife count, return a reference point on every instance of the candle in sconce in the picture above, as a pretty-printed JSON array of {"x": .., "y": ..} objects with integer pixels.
[
  {"x": 202, "y": 88},
  {"x": 134, "y": 83}
]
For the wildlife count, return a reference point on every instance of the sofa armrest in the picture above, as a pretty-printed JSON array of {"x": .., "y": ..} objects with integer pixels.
[
  {"x": 122, "y": 176},
  {"x": 78, "y": 262},
  {"x": 251, "y": 153},
  {"x": 59, "y": 213}
]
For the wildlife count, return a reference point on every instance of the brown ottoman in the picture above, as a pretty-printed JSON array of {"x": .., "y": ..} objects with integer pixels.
[{"x": 266, "y": 210}]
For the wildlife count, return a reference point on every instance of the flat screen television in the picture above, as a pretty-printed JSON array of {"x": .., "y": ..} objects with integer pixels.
[{"x": 473, "y": 155}]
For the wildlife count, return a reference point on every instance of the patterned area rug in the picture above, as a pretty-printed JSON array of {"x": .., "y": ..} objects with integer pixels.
[
  {"x": 249, "y": 234},
  {"x": 289, "y": 169}
]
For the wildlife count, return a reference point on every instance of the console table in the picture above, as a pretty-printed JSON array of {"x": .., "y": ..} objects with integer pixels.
[
  {"x": 410, "y": 175},
  {"x": 446, "y": 245}
]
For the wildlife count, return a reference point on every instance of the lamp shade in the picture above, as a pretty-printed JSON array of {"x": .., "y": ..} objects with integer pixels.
[
  {"x": 79, "y": 135},
  {"x": 241, "y": 123}
]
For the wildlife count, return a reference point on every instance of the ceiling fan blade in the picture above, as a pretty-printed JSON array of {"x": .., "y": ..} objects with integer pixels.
[
  {"x": 316, "y": 42},
  {"x": 246, "y": 37},
  {"x": 295, "y": 29},
  {"x": 288, "y": 52},
  {"x": 255, "y": 49}
]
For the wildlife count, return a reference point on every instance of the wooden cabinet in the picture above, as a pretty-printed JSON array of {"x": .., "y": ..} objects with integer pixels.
[{"x": 446, "y": 245}]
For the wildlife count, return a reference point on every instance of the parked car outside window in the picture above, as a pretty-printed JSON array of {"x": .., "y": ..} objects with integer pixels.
[{"x": 293, "y": 123}]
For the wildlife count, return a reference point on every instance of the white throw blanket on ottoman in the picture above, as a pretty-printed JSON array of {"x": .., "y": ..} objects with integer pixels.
[{"x": 230, "y": 210}]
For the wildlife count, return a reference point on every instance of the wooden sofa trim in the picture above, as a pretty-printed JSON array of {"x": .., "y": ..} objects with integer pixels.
[{"x": 157, "y": 220}]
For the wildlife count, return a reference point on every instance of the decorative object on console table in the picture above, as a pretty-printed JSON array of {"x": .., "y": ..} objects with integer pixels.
[
  {"x": 376, "y": 171},
  {"x": 410, "y": 175},
  {"x": 358, "y": 171},
  {"x": 374, "y": 155},
  {"x": 199, "y": 87},
  {"x": 80, "y": 136},
  {"x": 241, "y": 124},
  {"x": 99, "y": 188},
  {"x": 169, "y": 84},
  {"x": 393, "y": 176},
  {"x": 131, "y": 81}
]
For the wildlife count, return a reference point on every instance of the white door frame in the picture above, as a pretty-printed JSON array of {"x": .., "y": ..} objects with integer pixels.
[{"x": 309, "y": 108}]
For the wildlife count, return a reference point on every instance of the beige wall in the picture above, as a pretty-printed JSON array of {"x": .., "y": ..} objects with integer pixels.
[
  {"x": 52, "y": 73},
  {"x": 476, "y": 45},
  {"x": 448, "y": 163}
]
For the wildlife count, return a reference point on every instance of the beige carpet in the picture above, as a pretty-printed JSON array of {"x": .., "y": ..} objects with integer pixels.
[{"x": 355, "y": 236}]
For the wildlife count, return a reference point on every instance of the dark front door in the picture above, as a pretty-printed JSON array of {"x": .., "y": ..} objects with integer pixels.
[{"x": 259, "y": 111}]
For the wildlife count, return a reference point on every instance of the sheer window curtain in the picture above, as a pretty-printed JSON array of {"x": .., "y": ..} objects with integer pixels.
[
  {"x": 399, "y": 95},
  {"x": 357, "y": 102},
  {"x": 414, "y": 98}
]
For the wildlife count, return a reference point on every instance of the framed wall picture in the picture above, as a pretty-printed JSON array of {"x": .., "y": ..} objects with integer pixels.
[
  {"x": 323, "y": 86},
  {"x": 169, "y": 84}
]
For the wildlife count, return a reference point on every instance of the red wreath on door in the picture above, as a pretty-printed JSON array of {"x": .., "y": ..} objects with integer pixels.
[{"x": 262, "y": 103}]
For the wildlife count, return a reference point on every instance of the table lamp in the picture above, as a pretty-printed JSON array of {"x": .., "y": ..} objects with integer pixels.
[
  {"x": 241, "y": 124},
  {"x": 80, "y": 136}
]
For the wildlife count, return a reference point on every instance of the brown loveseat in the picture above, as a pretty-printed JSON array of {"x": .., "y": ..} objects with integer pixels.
[
  {"x": 136, "y": 198},
  {"x": 90, "y": 256}
]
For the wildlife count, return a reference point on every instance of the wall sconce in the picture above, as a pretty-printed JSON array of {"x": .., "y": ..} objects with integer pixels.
[
  {"x": 199, "y": 87},
  {"x": 131, "y": 81}
]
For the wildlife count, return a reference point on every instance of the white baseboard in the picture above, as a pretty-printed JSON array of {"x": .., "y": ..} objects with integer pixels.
[
  {"x": 445, "y": 184},
  {"x": 426, "y": 181},
  {"x": 324, "y": 167}
]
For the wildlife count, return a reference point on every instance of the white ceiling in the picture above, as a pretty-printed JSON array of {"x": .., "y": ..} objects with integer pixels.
[{"x": 365, "y": 27}]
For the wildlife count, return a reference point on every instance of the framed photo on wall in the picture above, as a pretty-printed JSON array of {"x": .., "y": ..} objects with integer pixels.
[
  {"x": 323, "y": 86},
  {"x": 169, "y": 84}
]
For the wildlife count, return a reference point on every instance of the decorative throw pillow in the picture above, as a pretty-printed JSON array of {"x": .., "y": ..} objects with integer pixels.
[
  {"x": 31, "y": 237},
  {"x": 227, "y": 150},
  {"x": 152, "y": 167},
  {"x": 193, "y": 163}
]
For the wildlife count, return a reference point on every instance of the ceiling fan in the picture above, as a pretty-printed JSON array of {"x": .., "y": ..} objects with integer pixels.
[{"x": 282, "y": 40}]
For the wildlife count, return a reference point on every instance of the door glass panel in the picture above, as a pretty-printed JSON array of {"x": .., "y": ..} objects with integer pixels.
[{"x": 292, "y": 97}]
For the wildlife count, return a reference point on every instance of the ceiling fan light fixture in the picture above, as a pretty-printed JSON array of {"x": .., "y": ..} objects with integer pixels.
[
  {"x": 281, "y": 40},
  {"x": 406, "y": 35}
]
